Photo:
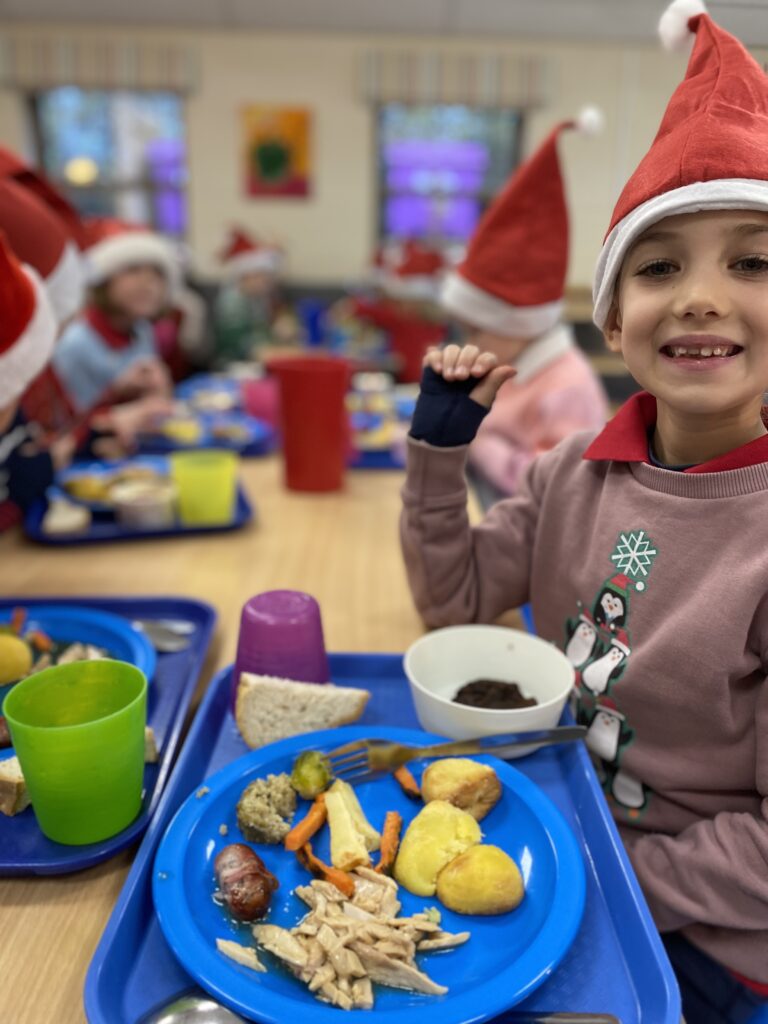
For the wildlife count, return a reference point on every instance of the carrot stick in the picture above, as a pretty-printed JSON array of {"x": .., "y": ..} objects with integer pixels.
[
  {"x": 390, "y": 840},
  {"x": 408, "y": 784},
  {"x": 343, "y": 881},
  {"x": 41, "y": 640},
  {"x": 303, "y": 830}
]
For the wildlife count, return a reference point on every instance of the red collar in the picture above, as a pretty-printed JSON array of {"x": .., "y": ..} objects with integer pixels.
[
  {"x": 112, "y": 338},
  {"x": 625, "y": 439}
]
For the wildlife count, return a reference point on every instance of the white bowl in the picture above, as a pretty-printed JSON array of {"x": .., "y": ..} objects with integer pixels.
[{"x": 438, "y": 664}]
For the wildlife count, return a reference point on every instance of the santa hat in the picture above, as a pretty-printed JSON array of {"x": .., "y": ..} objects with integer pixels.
[
  {"x": 609, "y": 706},
  {"x": 416, "y": 272},
  {"x": 27, "y": 327},
  {"x": 39, "y": 238},
  {"x": 116, "y": 245},
  {"x": 243, "y": 254},
  {"x": 621, "y": 585},
  {"x": 620, "y": 639},
  {"x": 513, "y": 276},
  {"x": 12, "y": 168},
  {"x": 710, "y": 152}
]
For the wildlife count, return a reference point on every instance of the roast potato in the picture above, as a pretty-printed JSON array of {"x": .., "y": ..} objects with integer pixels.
[
  {"x": 436, "y": 835},
  {"x": 468, "y": 784},
  {"x": 482, "y": 880}
]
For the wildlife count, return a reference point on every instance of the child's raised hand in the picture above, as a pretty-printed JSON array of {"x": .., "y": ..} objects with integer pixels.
[{"x": 459, "y": 363}]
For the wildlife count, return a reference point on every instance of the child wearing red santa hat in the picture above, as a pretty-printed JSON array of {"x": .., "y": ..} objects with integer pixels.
[
  {"x": 248, "y": 312},
  {"x": 508, "y": 295},
  {"x": 109, "y": 354},
  {"x": 27, "y": 337},
  {"x": 407, "y": 310},
  {"x": 643, "y": 549}
]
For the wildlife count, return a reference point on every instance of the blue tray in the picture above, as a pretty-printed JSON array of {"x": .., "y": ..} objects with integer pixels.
[
  {"x": 616, "y": 965},
  {"x": 24, "y": 850},
  {"x": 263, "y": 437},
  {"x": 188, "y": 388},
  {"x": 104, "y": 528}
]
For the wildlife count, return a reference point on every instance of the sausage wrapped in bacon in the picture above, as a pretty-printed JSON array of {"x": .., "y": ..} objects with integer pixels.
[{"x": 245, "y": 883}]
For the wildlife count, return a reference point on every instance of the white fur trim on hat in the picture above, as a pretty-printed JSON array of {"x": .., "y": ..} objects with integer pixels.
[
  {"x": 721, "y": 194},
  {"x": 129, "y": 249},
  {"x": 66, "y": 283},
  {"x": 254, "y": 261},
  {"x": 412, "y": 286},
  {"x": 24, "y": 360},
  {"x": 673, "y": 24},
  {"x": 465, "y": 300}
]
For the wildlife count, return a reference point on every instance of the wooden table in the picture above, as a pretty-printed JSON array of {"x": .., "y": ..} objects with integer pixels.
[{"x": 342, "y": 548}]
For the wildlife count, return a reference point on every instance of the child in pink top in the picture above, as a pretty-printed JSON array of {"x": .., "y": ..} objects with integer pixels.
[
  {"x": 644, "y": 549},
  {"x": 508, "y": 294}
]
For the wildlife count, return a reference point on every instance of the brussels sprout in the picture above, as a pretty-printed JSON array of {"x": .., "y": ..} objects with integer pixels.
[{"x": 311, "y": 774}]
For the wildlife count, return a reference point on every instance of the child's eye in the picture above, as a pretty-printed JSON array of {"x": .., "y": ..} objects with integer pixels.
[
  {"x": 655, "y": 268},
  {"x": 752, "y": 264}
]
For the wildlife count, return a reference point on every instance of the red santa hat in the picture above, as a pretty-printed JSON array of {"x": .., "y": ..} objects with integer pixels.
[
  {"x": 512, "y": 278},
  {"x": 711, "y": 150},
  {"x": 39, "y": 238},
  {"x": 609, "y": 706},
  {"x": 243, "y": 254},
  {"x": 115, "y": 245},
  {"x": 15, "y": 169},
  {"x": 620, "y": 639},
  {"x": 416, "y": 272},
  {"x": 27, "y": 327}
]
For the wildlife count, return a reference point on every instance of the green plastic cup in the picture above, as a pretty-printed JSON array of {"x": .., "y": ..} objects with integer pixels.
[
  {"x": 78, "y": 731},
  {"x": 206, "y": 482}
]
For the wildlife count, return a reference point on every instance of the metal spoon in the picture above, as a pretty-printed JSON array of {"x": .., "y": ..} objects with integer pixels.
[
  {"x": 163, "y": 638},
  {"x": 192, "y": 1009}
]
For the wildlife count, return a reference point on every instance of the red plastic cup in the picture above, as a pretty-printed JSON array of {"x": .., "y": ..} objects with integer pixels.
[
  {"x": 281, "y": 634},
  {"x": 313, "y": 421}
]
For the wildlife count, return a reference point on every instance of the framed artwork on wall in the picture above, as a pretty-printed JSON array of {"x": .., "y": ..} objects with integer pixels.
[{"x": 277, "y": 159}]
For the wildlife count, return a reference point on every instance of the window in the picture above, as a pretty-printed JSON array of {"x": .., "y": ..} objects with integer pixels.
[
  {"x": 117, "y": 153},
  {"x": 440, "y": 166}
]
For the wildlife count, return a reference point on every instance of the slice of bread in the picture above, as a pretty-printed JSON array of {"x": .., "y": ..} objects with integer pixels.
[
  {"x": 270, "y": 709},
  {"x": 64, "y": 517},
  {"x": 13, "y": 790}
]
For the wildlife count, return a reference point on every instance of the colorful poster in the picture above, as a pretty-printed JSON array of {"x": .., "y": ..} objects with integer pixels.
[{"x": 276, "y": 150}]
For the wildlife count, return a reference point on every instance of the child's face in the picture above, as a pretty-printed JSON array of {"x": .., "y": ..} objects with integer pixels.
[
  {"x": 691, "y": 317},
  {"x": 139, "y": 292},
  {"x": 256, "y": 283}
]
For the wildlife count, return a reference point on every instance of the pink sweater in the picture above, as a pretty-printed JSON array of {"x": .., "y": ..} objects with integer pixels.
[
  {"x": 655, "y": 583},
  {"x": 554, "y": 395}
]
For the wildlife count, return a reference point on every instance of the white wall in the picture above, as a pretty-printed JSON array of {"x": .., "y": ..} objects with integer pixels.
[{"x": 330, "y": 235}]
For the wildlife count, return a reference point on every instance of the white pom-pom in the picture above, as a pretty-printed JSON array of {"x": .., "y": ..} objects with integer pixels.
[
  {"x": 590, "y": 121},
  {"x": 673, "y": 24}
]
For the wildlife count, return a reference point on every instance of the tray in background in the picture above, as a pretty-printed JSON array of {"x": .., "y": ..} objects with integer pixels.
[
  {"x": 616, "y": 965},
  {"x": 24, "y": 850}
]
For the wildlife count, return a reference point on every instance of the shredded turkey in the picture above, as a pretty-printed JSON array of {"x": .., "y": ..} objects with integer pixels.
[{"x": 341, "y": 946}]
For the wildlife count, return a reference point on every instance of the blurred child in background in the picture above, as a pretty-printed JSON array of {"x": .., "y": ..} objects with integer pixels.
[
  {"x": 248, "y": 312},
  {"x": 108, "y": 354},
  {"x": 407, "y": 309},
  {"x": 27, "y": 336},
  {"x": 508, "y": 296}
]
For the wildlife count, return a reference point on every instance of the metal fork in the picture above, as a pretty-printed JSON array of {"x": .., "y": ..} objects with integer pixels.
[{"x": 363, "y": 758}]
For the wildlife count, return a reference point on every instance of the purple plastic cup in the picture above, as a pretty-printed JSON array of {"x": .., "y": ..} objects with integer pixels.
[{"x": 281, "y": 634}]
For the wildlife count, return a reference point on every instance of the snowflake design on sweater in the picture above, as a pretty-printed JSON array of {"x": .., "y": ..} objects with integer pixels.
[{"x": 634, "y": 554}]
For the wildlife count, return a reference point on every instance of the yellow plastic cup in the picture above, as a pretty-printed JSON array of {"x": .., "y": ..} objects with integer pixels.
[
  {"x": 206, "y": 482},
  {"x": 78, "y": 731}
]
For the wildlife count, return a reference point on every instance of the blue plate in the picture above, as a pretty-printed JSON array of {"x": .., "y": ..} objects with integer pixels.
[
  {"x": 73, "y": 624},
  {"x": 506, "y": 958},
  {"x": 159, "y": 465}
]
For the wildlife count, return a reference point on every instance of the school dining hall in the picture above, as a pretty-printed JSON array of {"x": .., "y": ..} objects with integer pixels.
[{"x": 383, "y": 478}]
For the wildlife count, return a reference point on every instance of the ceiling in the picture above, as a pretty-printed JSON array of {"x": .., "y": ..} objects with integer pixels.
[{"x": 562, "y": 19}]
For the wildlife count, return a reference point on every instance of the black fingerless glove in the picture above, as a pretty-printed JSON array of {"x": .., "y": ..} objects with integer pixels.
[{"x": 445, "y": 415}]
